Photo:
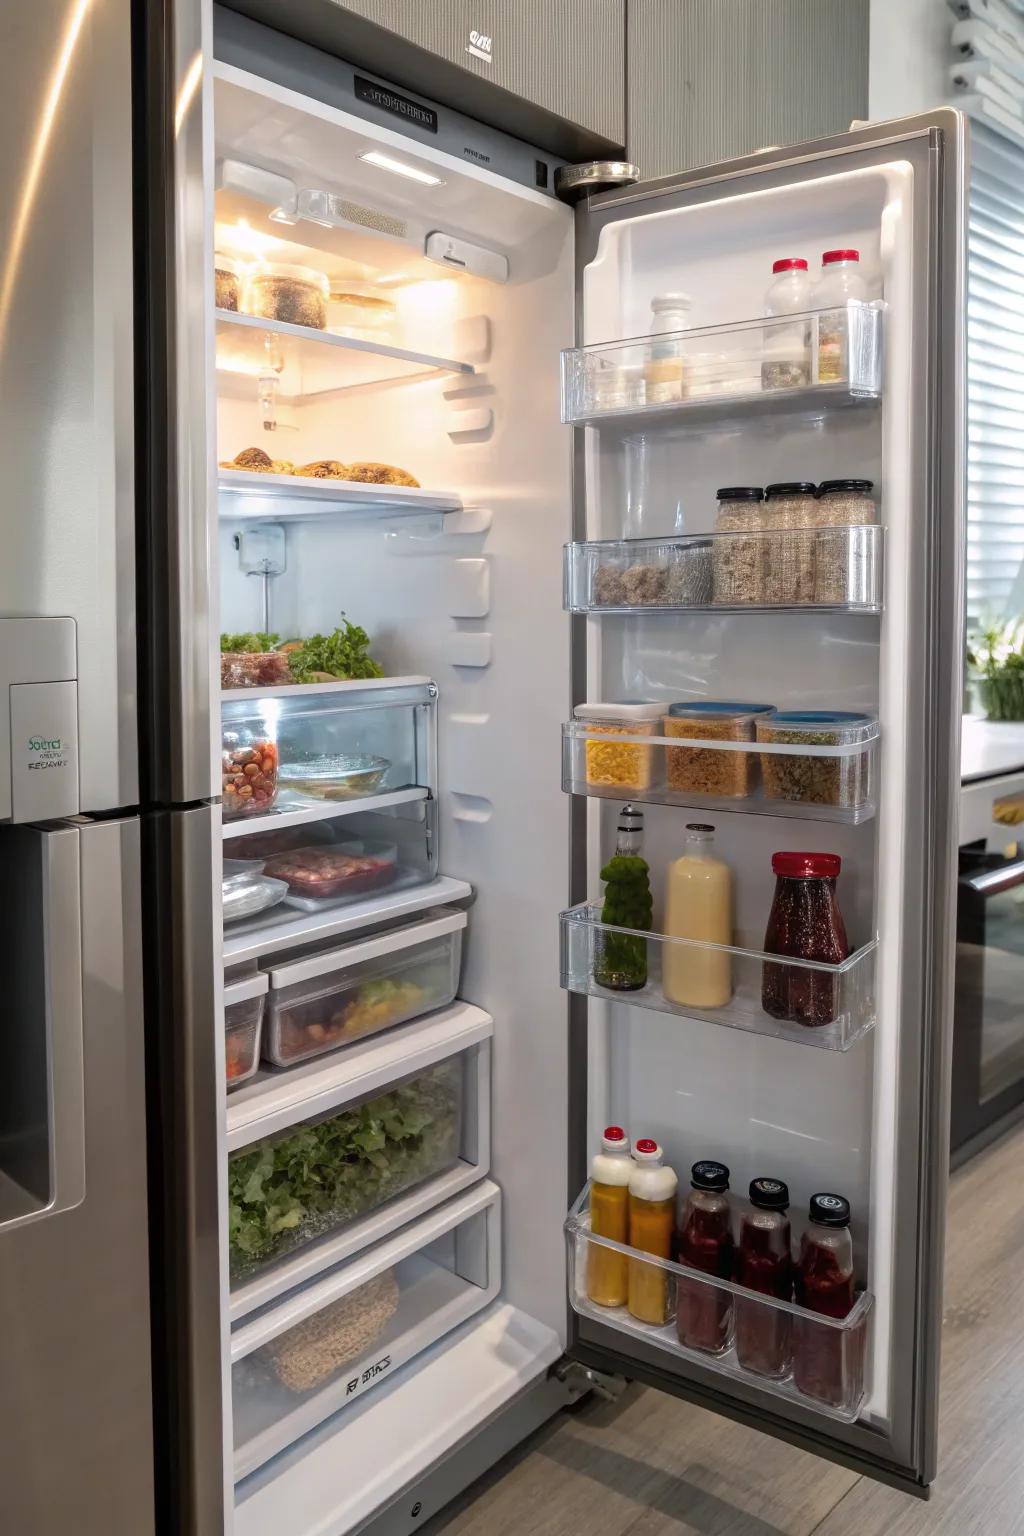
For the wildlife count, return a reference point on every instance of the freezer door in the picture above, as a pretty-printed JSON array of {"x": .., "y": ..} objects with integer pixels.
[
  {"x": 872, "y": 1121},
  {"x": 76, "y": 1442}
]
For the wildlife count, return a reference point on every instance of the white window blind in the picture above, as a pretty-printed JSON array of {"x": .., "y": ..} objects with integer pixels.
[{"x": 995, "y": 377}]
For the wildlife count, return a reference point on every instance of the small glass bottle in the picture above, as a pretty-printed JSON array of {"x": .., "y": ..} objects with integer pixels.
[
  {"x": 806, "y": 923},
  {"x": 620, "y": 960},
  {"x": 764, "y": 1264},
  {"x": 823, "y": 1357},
  {"x": 607, "y": 1278},
  {"x": 652, "y": 1206},
  {"x": 665, "y": 368},
  {"x": 704, "y": 1312}
]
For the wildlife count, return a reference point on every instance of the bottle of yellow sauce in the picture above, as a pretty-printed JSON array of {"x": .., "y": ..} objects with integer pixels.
[
  {"x": 609, "y": 1217},
  {"x": 698, "y": 905},
  {"x": 652, "y": 1201}
]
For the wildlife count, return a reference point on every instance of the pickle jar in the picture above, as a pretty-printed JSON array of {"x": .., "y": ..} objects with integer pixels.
[{"x": 249, "y": 765}]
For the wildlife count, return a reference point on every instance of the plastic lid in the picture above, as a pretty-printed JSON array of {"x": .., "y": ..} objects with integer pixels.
[
  {"x": 829, "y": 1210},
  {"x": 709, "y": 1176},
  {"x": 769, "y": 1194},
  {"x": 628, "y": 710},
  {"x": 664, "y": 301},
  {"x": 789, "y": 264},
  {"x": 828, "y": 257},
  {"x": 783, "y": 719},
  {"x": 699, "y": 826},
  {"x": 289, "y": 269},
  {"x": 740, "y": 493},
  {"x": 614, "y": 1139},
  {"x": 647, "y": 1151},
  {"x": 717, "y": 709},
  {"x": 807, "y": 866},
  {"x": 845, "y": 485},
  {"x": 790, "y": 488}
]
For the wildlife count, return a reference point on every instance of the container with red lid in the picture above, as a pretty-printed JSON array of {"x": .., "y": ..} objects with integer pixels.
[
  {"x": 841, "y": 283},
  {"x": 806, "y": 924},
  {"x": 787, "y": 347}
]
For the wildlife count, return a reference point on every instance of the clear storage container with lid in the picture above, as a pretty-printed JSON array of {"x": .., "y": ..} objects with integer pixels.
[
  {"x": 819, "y": 777},
  {"x": 249, "y": 764},
  {"x": 787, "y": 348},
  {"x": 841, "y": 283},
  {"x": 294, "y": 294},
  {"x": 665, "y": 369},
  {"x": 244, "y": 1002},
  {"x": 790, "y": 515},
  {"x": 739, "y": 559},
  {"x": 845, "y": 548},
  {"x": 619, "y": 764},
  {"x": 702, "y": 770},
  {"x": 227, "y": 281},
  {"x": 360, "y": 310}
]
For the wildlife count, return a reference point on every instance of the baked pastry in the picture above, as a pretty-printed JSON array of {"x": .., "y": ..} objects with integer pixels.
[
  {"x": 258, "y": 462},
  {"x": 379, "y": 474},
  {"x": 324, "y": 469}
]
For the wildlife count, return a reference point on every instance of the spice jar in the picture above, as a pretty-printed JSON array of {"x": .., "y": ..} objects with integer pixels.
[
  {"x": 805, "y": 923},
  {"x": 617, "y": 764},
  {"x": 844, "y": 552},
  {"x": 790, "y": 515},
  {"x": 282, "y": 291},
  {"x": 843, "y": 780},
  {"x": 227, "y": 282},
  {"x": 739, "y": 556},
  {"x": 702, "y": 770},
  {"x": 248, "y": 768}
]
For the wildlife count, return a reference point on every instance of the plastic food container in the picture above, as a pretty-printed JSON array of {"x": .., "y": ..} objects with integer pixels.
[
  {"x": 618, "y": 764},
  {"x": 739, "y": 555},
  {"x": 248, "y": 766},
  {"x": 341, "y": 869},
  {"x": 844, "y": 550},
  {"x": 345, "y": 777},
  {"x": 341, "y": 995},
  {"x": 282, "y": 291},
  {"x": 227, "y": 282},
  {"x": 254, "y": 669},
  {"x": 818, "y": 778},
  {"x": 247, "y": 895},
  {"x": 244, "y": 1002},
  {"x": 702, "y": 770}
]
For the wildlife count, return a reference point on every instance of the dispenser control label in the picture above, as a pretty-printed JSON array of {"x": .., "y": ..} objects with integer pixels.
[{"x": 44, "y": 750}]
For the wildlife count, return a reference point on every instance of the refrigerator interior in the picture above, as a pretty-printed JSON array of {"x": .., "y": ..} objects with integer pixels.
[
  {"x": 467, "y": 596},
  {"x": 819, "y": 1119}
]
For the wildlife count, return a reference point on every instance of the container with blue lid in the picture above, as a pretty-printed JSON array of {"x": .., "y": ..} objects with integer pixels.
[
  {"x": 704, "y": 770},
  {"x": 842, "y": 778}
]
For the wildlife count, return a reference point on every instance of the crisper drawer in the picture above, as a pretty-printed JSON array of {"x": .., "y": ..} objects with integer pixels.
[
  {"x": 322, "y": 1347},
  {"x": 331, "y": 1156},
  {"x": 244, "y": 1002},
  {"x": 341, "y": 995}
]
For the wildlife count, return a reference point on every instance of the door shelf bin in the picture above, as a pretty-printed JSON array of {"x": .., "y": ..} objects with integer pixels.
[
  {"x": 817, "y": 774},
  {"x": 808, "y": 361},
  {"x": 821, "y": 1358},
  {"x": 299, "y": 1362},
  {"x": 841, "y": 997},
  {"x": 244, "y": 1003},
  {"x": 790, "y": 570},
  {"x": 341, "y": 995}
]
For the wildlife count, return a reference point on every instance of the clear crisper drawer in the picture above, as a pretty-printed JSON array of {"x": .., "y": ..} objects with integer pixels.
[
  {"x": 806, "y": 361},
  {"x": 820, "y": 568},
  {"x": 807, "y": 1358},
  {"x": 804, "y": 1001},
  {"x": 815, "y": 764},
  {"x": 244, "y": 1002},
  {"x": 315, "y": 1352},
  {"x": 343, "y": 994}
]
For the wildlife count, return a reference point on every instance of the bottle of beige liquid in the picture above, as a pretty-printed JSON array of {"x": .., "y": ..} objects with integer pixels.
[{"x": 698, "y": 905}]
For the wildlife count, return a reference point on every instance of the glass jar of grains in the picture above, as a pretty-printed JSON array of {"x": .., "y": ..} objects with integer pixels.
[
  {"x": 739, "y": 556},
  {"x": 699, "y": 770},
  {"x": 790, "y": 516},
  {"x": 617, "y": 765},
  {"x": 844, "y": 550},
  {"x": 227, "y": 281},
  {"x": 283, "y": 291}
]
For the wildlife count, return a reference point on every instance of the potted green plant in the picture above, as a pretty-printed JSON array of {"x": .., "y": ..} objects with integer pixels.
[{"x": 995, "y": 654}]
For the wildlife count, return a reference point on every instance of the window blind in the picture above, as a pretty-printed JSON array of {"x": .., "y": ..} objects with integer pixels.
[{"x": 995, "y": 377}]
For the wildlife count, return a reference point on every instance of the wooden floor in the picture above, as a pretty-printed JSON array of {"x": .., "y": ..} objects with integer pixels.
[{"x": 652, "y": 1466}]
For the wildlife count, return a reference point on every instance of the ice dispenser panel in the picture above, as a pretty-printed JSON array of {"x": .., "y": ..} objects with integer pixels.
[{"x": 38, "y": 719}]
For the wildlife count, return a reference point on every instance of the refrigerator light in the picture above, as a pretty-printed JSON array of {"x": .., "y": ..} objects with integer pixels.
[{"x": 399, "y": 168}]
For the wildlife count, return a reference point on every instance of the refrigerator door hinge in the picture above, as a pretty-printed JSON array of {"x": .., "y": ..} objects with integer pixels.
[
  {"x": 581, "y": 1379},
  {"x": 575, "y": 182}
]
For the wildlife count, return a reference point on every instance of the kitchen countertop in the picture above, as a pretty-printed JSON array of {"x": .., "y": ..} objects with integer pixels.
[{"x": 990, "y": 748}]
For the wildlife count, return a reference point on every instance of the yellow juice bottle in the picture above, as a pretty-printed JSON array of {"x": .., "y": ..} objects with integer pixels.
[
  {"x": 607, "y": 1283},
  {"x": 652, "y": 1204}
]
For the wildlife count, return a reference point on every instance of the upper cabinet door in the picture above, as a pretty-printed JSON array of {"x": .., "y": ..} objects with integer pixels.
[{"x": 851, "y": 1098}]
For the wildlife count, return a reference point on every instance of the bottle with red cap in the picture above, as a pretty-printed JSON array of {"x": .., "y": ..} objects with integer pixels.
[
  {"x": 652, "y": 1208},
  {"x": 787, "y": 348},
  {"x": 805, "y": 923},
  {"x": 607, "y": 1272},
  {"x": 841, "y": 283}
]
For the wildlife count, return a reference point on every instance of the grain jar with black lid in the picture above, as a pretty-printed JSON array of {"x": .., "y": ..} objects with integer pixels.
[
  {"x": 845, "y": 548},
  {"x": 790, "y": 516},
  {"x": 739, "y": 556}
]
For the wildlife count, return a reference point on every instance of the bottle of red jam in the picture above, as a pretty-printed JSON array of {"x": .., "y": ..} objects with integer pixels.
[
  {"x": 824, "y": 1284},
  {"x": 805, "y": 922},
  {"x": 764, "y": 1264},
  {"x": 703, "y": 1312}
]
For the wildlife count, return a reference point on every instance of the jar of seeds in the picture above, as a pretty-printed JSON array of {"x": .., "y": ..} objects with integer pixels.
[
  {"x": 844, "y": 550},
  {"x": 739, "y": 556},
  {"x": 790, "y": 516}
]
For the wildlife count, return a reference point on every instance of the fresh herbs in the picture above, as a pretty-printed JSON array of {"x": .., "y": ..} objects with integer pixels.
[
  {"x": 996, "y": 655},
  {"x": 254, "y": 642},
  {"x": 344, "y": 654},
  {"x": 285, "y": 1192}
]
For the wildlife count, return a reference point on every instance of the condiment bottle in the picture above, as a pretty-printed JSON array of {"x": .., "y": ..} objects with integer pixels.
[
  {"x": 824, "y": 1284},
  {"x": 840, "y": 283},
  {"x": 787, "y": 348},
  {"x": 665, "y": 369},
  {"x": 652, "y": 1201},
  {"x": 764, "y": 1264},
  {"x": 704, "y": 1312},
  {"x": 620, "y": 961},
  {"x": 698, "y": 906},
  {"x": 806, "y": 923},
  {"x": 607, "y": 1282}
]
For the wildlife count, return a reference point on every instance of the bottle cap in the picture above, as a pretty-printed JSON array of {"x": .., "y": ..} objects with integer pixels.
[
  {"x": 740, "y": 493},
  {"x": 828, "y": 257},
  {"x": 789, "y": 264},
  {"x": 769, "y": 1194},
  {"x": 663, "y": 301},
  {"x": 647, "y": 1151},
  {"x": 829, "y": 1210},
  {"x": 700, "y": 826},
  {"x": 614, "y": 1139},
  {"x": 709, "y": 1176},
  {"x": 790, "y": 488},
  {"x": 807, "y": 866}
]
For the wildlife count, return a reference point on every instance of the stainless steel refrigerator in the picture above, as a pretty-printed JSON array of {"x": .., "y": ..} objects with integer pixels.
[{"x": 575, "y": 557}]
